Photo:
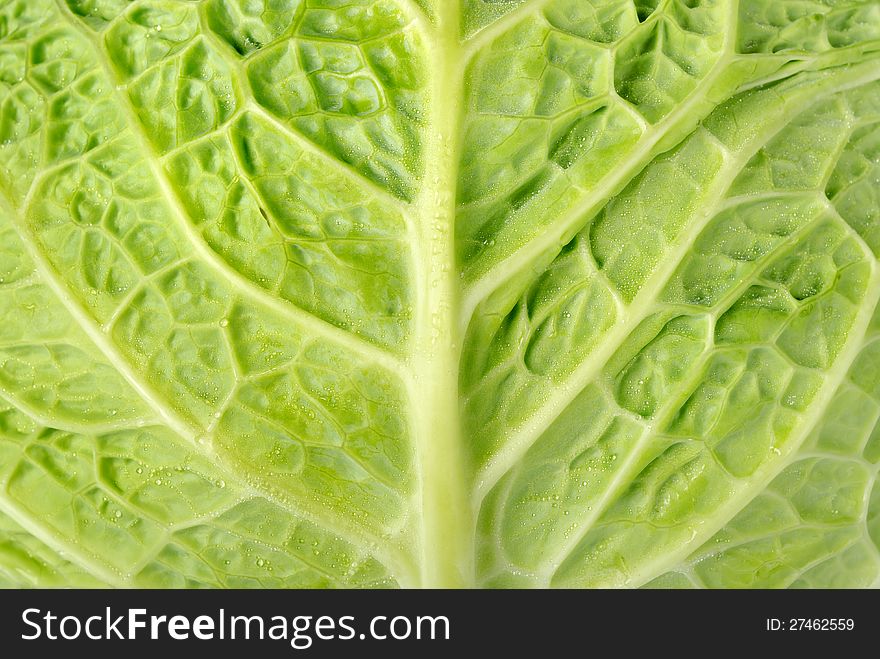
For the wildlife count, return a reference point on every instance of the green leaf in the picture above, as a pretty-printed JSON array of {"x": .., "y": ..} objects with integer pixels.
[{"x": 406, "y": 293}]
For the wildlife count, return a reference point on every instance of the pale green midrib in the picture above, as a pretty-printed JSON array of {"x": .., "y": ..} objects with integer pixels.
[
  {"x": 519, "y": 442},
  {"x": 445, "y": 537},
  {"x": 624, "y": 473},
  {"x": 242, "y": 87},
  {"x": 735, "y": 504},
  {"x": 581, "y": 212},
  {"x": 320, "y": 327},
  {"x": 358, "y": 537}
]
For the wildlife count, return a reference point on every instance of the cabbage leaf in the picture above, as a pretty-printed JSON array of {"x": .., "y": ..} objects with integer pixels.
[{"x": 439, "y": 293}]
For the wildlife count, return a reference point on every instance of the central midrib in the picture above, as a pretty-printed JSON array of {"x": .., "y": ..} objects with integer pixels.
[{"x": 446, "y": 525}]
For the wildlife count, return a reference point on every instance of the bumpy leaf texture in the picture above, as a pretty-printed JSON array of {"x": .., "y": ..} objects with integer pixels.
[{"x": 315, "y": 293}]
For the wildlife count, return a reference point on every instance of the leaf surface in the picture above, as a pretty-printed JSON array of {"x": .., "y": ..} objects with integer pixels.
[{"x": 401, "y": 293}]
